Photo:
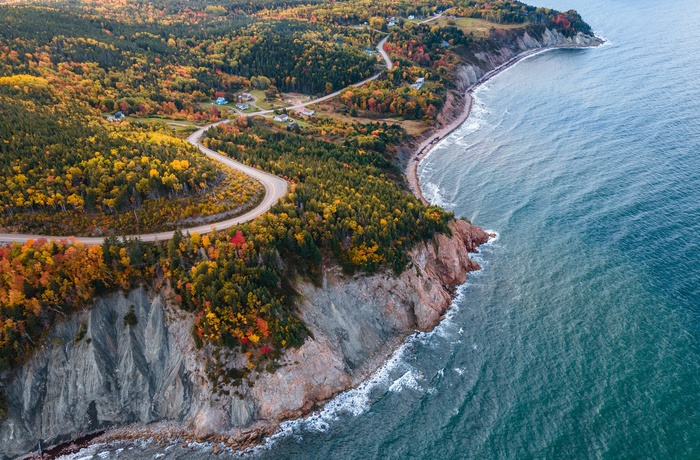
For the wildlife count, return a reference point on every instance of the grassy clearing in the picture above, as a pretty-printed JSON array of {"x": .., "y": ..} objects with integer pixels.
[
  {"x": 479, "y": 27},
  {"x": 335, "y": 110},
  {"x": 174, "y": 124},
  {"x": 259, "y": 96}
]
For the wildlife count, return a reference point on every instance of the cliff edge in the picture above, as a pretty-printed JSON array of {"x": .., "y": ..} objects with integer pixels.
[{"x": 119, "y": 373}]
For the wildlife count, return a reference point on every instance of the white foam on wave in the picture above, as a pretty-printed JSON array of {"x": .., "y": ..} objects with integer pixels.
[
  {"x": 408, "y": 380},
  {"x": 606, "y": 41},
  {"x": 434, "y": 195},
  {"x": 355, "y": 401},
  {"x": 493, "y": 239},
  {"x": 459, "y": 135}
]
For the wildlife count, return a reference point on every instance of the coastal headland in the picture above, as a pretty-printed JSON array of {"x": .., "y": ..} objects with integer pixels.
[{"x": 67, "y": 389}]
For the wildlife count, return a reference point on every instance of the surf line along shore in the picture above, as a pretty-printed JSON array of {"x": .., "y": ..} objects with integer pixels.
[{"x": 436, "y": 135}]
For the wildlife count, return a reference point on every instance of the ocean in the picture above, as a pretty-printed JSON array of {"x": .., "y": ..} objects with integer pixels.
[{"x": 579, "y": 338}]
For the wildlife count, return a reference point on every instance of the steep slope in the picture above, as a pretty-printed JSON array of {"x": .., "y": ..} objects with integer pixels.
[{"x": 151, "y": 371}]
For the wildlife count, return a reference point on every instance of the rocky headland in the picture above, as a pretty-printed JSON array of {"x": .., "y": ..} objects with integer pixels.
[{"x": 151, "y": 371}]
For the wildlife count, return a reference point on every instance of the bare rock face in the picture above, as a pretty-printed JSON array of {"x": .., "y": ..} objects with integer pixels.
[
  {"x": 119, "y": 374},
  {"x": 313, "y": 373},
  {"x": 513, "y": 44},
  {"x": 364, "y": 318},
  {"x": 115, "y": 374}
]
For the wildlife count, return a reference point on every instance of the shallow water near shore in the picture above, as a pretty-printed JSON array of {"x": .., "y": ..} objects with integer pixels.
[{"x": 580, "y": 337}]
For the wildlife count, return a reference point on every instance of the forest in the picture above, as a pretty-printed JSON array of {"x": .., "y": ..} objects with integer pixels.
[{"x": 67, "y": 170}]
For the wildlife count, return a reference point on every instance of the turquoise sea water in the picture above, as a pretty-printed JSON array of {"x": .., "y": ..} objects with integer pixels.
[{"x": 580, "y": 337}]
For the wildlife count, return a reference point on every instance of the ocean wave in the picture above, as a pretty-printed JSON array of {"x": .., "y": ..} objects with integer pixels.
[{"x": 434, "y": 195}]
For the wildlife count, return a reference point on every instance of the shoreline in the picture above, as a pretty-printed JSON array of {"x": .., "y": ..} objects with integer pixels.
[{"x": 434, "y": 137}]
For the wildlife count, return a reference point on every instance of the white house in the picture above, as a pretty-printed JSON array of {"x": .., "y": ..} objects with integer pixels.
[
  {"x": 307, "y": 112},
  {"x": 245, "y": 97},
  {"x": 411, "y": 17},
  {"x": 221, "y": 101},
  {"x": 391, "y": 24},
  {"x": 240, "y": 106},
  {"x": 419, "y": 83},
  {"x": 117, "y": 116},
  {"x": 281, "y": 118}
]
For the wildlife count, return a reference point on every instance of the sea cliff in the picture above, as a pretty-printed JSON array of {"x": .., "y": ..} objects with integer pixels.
[{"x": 119, "y": 374}]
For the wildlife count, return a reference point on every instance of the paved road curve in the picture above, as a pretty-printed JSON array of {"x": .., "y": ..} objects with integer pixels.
[
  {"x": 275, "y": 187},
  {"x": 433, "y": 18}
]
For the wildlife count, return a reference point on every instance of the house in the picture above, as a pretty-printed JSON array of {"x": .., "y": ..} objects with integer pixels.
[
  {"x": 307, "y": 112},
  {"x": 245, "y": 97},
  {"x": 292, "y": 125},
  {"x": 240, "y": 106},
  {"x": 418, "y": 84},
  {"x": 445, "y": 44},
  {"x": 281, "y": 118},
  {"x": 411, "y": 17},
  {"x": 221, "y": 101},
  {"x": 117, "y": 116},
  {"x": 391, "y": 24}
]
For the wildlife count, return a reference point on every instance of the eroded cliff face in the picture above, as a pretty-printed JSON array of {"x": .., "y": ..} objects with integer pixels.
[
  {"x": 507, "y": 45},
  {"x": 120, "y": 374}
]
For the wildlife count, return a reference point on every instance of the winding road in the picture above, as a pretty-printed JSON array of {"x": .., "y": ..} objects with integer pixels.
[
  {"x": 275, "y": 187},
  {"x": 433, "y": 18}
]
